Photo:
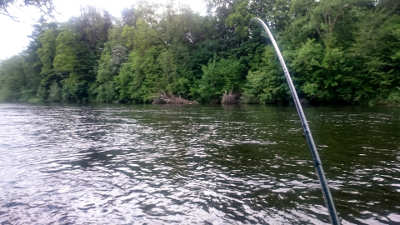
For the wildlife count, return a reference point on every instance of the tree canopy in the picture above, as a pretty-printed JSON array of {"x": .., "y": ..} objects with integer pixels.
[
  {"x": 46, "y": 6},
  {"x": 338, "y": 51}
]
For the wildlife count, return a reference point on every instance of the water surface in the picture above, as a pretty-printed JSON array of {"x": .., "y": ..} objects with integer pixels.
[{"x": 195, "y": 165}]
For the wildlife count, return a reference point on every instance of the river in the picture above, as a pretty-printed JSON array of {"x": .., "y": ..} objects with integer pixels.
[{"x": 195, "y": 165}]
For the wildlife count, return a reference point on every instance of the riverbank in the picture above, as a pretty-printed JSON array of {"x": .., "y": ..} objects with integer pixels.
[{"x": 234, "y": 100}]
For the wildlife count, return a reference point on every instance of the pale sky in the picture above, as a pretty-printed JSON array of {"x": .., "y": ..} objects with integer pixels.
[{"x": 14, "y": 35}]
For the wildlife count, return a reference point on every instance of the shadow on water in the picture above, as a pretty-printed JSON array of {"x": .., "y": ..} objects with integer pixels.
[{"x": 93, "y": 157}]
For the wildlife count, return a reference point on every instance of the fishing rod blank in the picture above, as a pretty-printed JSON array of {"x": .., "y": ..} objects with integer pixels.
[{"x": 310, "y": 141}]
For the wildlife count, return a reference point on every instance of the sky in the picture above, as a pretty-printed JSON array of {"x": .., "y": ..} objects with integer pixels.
[{"x": 14, "y": 34}]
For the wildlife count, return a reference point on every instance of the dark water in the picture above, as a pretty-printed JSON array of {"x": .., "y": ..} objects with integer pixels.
[{"x": 195, "y": 165}]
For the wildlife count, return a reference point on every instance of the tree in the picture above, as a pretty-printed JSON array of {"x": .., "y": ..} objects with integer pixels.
[
  {"x": 66, "y": 59},
  {"x": 12, "y": 79},
  {"x": 46, "y": 53},
  {"x": 339, "y": 51},
  {"x": 114, "y": 54},
  {"x": 47, "y": 50},
  {"x": 46, "y": 6},
  {"x": 266, "y": 82},
  {"x": 219, "y": 77}
]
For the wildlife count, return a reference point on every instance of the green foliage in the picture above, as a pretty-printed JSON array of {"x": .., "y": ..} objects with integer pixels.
[
  {"x": 394, "y": 96},
  {"x": 219, "y": 77},
  {"x": 114, "y": 54},
  {"x": 140, "y": 78},
  {"x": 377, "y": 51},
  {"x": 265, "y": 82},
  {"x": 66, "y": 52},
  {"x": 74, "y": 89},
  {"x": 106, "y": 92},
  {"x": 127, "y": 35},
  {"x": 169, "y": 73},
  {"x": 93, "y": 26},
  {"x": 239, "y": 19},
  {"x": 47, "y": 50},
  {"x": 54, "y": 94},
  {"x": 338, "y": 51},
  {"x": 12, "y": 79}
]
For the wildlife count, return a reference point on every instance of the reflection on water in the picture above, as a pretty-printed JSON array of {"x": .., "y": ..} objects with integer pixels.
[{"x": 195, "y": 165}]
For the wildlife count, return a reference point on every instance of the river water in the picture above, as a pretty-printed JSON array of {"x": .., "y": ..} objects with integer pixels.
[{"x": 195, "y": 165}]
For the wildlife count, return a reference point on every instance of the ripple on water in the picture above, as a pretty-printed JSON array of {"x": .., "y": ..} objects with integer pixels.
[{"x": 193, "y": 165}]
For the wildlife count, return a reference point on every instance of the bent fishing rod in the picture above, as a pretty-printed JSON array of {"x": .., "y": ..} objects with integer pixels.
[{"x": 310, "y": 141}]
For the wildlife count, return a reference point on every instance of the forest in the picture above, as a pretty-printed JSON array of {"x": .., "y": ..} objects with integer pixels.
[{"x": 338, "y": 52}]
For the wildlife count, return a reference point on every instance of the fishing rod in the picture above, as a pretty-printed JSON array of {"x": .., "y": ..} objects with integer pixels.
[{"x": 310, "y": 141}]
